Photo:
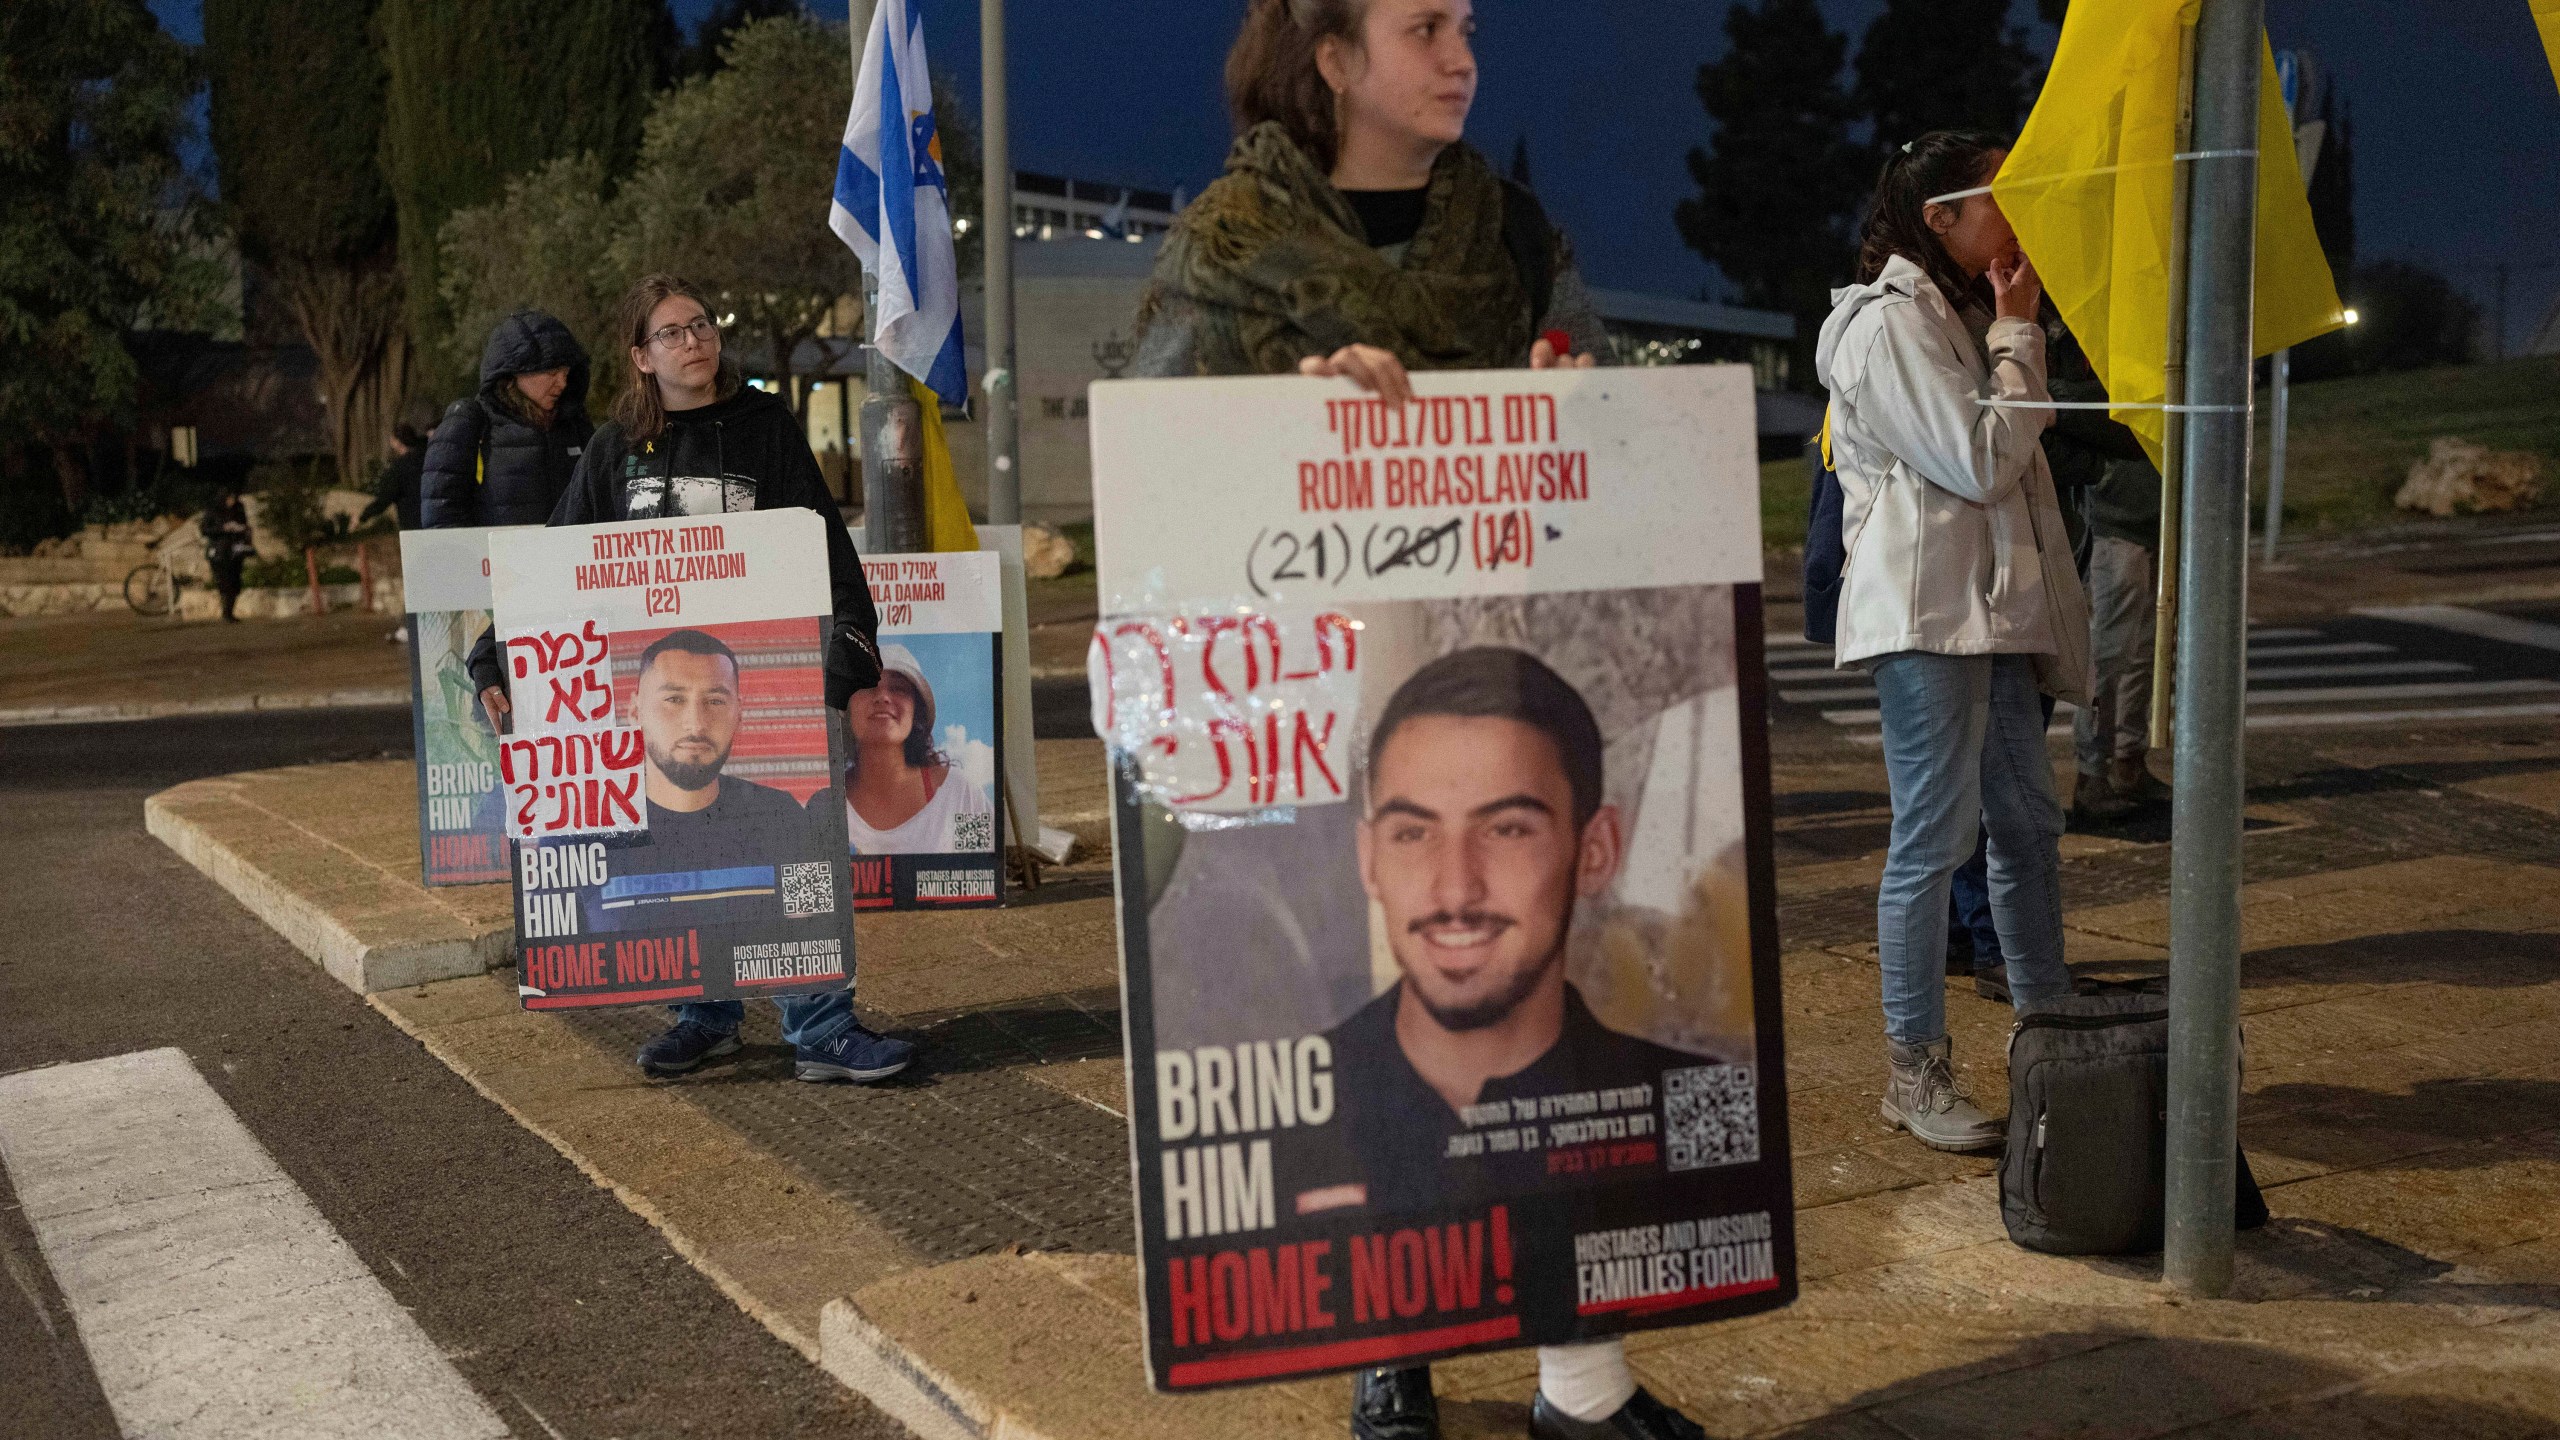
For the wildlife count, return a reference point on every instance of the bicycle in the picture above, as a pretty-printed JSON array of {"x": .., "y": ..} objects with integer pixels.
[{"x": 151, "y": 588}]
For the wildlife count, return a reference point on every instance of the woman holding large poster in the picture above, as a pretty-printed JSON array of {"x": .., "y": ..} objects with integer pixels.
[
  {"x": 689, "y": 438},
  {"x": 1356, "y": 234}
]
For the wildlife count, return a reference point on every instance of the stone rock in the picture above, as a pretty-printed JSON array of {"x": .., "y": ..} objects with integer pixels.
[
  {"x": 1046, "y": 554},
  {"x": 2459, "y": 477}
]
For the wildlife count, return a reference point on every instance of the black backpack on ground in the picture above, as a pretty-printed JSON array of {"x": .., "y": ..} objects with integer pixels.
[{"x": 2086, "y": 1168}]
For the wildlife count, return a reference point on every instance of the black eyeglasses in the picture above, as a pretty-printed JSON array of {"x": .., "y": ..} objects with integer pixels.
[{"x": 701, "y": 331}]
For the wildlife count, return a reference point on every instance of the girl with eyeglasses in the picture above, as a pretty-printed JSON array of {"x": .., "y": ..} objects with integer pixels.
[{"x": 689, "y": 437}]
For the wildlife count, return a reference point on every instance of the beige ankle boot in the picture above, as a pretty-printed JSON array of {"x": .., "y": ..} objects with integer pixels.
[{"x": 1921, "y": 1096}]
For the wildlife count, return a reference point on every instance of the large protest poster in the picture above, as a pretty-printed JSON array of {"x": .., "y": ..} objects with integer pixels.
[
  {"x": 444, "y": 575},
  {"x": 923, "y": 787},
  {"x": 1447, "y": 911},
  {"x": 670, "y": 770}
]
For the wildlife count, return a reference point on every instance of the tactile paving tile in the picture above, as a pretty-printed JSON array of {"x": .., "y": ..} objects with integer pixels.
[{"x": 962, "y": 1154}]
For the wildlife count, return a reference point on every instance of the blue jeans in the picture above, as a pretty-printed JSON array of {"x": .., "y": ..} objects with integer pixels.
[
  {"x": 1971, "y": 894},
  {"x": 1969, "y": 897},
  {"x": 807, "y": 1020},
  {"x": 1964, "y": 754}
]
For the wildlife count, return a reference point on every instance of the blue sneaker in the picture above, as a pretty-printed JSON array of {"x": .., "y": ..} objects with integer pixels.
[
  {"x": 856, "y": 1055},
  {"x": 687, "y": 1044}
]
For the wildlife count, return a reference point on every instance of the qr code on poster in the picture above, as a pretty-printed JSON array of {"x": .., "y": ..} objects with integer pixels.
[
  {"x": 808, "y": 890},
  {"x": 1711, "y": 1116},
  {"x": 974, "y": 831}
]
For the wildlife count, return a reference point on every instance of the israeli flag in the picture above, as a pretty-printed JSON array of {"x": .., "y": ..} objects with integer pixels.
[{"x": 893, "y": 205}]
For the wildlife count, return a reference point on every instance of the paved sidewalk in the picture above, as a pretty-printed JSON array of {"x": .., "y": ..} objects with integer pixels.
[{"x": 956, "y": 1244}]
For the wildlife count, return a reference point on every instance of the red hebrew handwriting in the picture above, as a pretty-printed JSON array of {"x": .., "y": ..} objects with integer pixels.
[
  {"x": 580, "y": 782},
  {"x": 1230, "y": 710}
]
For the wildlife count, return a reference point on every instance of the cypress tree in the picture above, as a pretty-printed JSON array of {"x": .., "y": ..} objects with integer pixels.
[
  {"x": 1778, "y": 182},
  {"x": 297, "y": 104},
  {"x": 1942, "y": 65},
  {"x": 483, "y": 90}
]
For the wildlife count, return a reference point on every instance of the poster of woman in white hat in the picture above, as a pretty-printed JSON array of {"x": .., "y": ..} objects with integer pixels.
[{"x": 922, "y": 798}]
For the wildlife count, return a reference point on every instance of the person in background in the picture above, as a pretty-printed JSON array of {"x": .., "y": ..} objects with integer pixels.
[
  {"x": 1356, "y": 234},
  {"x": 400, "y": 483},
  {"x": 227, "y": 546},
  {"x": 2120, "y": 502},
  {"x": 1959, "y": 594},
  {"x": 504, "y": 455},
  {"x": 2078, "y": 448},
  {"x": 689, "y": 437}
]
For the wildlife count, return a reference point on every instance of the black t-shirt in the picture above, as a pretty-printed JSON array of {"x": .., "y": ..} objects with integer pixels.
[
  {"x": 749, "y": 824},
  {"x": 1391, "y": 217},
  {"x": 1391, "y": 1132},
  {"x": 718, "y": 865}
]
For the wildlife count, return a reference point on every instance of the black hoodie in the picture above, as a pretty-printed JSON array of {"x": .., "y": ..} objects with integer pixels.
[
  {"x": 743, "y": 453},
  {"x": 484, "y": 465}
]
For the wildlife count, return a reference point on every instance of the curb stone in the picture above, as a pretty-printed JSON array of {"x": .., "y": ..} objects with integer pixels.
[
  {"x": 361, "y": 964},
  {"x": 230, "y": 705}
]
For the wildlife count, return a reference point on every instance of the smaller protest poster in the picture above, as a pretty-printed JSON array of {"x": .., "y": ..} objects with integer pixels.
[
  {"x": 923, "y": 786},
  {"x": 668, "y": 778},
  {"x": 461, "y": 822}
]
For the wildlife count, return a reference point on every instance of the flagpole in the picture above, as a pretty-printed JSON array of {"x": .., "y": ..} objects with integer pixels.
[
  {"x": 2205, "y": 841},
  {"x": 1004, "y": 416},
  {"x": 892, "y": 423}
]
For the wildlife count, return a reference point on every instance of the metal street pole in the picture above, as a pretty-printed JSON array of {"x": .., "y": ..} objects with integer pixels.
[
  {"x": 892, "y": 453},
  {"x": 2279, "y": 395},
  {"x": 892, "y": 425},
  {"x": 1004, "y": 413},
  {"x": 2204, "y": 866},
  {"x": 2173, "y": 423}
]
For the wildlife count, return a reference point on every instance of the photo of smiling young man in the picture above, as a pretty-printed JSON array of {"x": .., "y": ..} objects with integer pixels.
[{"x": 1485, "y": 826}]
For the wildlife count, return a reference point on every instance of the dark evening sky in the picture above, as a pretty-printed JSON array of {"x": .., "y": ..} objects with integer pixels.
[{"x": 2457, "y": 114}]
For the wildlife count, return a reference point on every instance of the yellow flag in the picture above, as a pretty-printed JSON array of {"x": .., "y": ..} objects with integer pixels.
[
  {"x": 2546, "y": 17},
  {"x": 946, "y": 515},
  {"x": 2089, "y": 186}
]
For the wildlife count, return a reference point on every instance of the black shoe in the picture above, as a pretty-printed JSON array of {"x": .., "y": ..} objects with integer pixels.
[
  {"x": 684, "y": 1045},
  {"x": 1959, "y": 952},
  {"x": 1394, "y": 1405},
  {"x": 1641, "y": 1418},
  {"x": 1992, "y": 983}
]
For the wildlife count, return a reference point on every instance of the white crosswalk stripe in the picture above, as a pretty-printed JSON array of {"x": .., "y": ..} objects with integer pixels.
[
  {"x": 212, "y": 1299},
  {"x": 2368, "y": 679}
]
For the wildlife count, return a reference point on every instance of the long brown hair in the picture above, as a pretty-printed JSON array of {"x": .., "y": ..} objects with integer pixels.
[
  {"x": 512, "y": 399},
  {"x": 1938, "y": 163},
  {"x": 1272, "y": 74},
  {"x": 638, "y": 409}
]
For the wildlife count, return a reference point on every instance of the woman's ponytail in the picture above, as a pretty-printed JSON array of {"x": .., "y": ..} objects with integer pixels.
[{"x": 1938, "y": 163}]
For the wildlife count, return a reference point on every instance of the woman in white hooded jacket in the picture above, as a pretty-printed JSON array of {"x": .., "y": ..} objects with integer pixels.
[{"x": 1959, "y": 594}]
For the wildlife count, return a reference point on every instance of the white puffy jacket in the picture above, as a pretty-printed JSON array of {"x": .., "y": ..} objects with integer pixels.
[{"x": 1954, "y": 535}]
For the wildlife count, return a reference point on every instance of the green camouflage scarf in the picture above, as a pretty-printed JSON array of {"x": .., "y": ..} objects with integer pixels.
[{"x": 1270, "y": 265}]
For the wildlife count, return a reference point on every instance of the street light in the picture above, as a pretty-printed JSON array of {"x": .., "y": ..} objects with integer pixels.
[{"x": 2350, "y": 315}]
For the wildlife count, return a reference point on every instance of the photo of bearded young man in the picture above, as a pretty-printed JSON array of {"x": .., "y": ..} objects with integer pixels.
[
  {"x": 1485, "y": 826},
  {"x": 687, "y": 702}
]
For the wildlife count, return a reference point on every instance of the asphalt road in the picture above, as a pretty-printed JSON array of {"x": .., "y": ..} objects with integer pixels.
[{"x": 568, "y": 1314}]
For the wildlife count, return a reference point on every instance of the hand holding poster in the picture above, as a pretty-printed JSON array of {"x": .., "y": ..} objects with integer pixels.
[
  {"x": 1449, "y": 945},
  {"x": 461, "y": 815},
  {"x": 671, "y": 775},
  {"x": 924, "y": 780}
]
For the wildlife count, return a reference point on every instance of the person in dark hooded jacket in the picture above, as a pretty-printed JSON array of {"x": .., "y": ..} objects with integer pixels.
[{"x": 502, "y": 456}]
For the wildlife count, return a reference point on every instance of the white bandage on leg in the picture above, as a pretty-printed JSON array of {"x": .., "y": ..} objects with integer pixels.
[{"x": 1589, "y": 1381}]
